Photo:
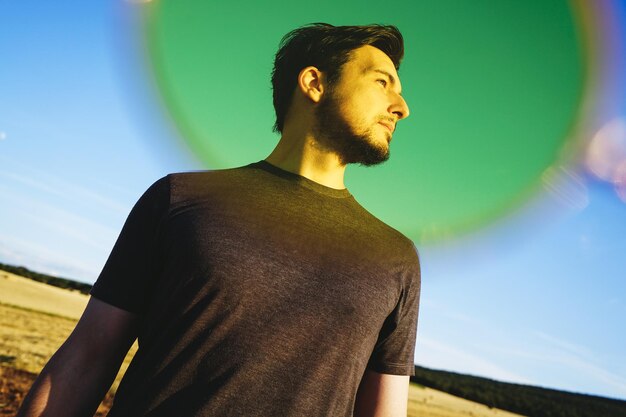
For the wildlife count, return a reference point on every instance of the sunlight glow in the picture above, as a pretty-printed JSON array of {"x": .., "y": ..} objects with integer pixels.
[
  {"x": 566, "y": 186},
  {"x": 605, "y": 156}
]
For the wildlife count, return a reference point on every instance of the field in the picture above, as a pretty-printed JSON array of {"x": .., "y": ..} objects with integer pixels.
[{"x": 36, "y": 318}]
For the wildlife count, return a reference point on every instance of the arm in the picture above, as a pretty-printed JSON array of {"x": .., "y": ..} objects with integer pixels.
[
  {"x": 79, "y": 374},
  {"x": 382, "y": 395}
]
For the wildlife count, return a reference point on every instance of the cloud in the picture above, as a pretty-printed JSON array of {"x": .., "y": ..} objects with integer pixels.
[
  {"x": 66, "y": 190},
  {"x": 61, "y": 221},
  {"x": 3, "y": 135},
  {"x": 564, "y": 356},
  {"x": 445, "y": 311},
  {"x": 549, "y": 360},
  {"x": 576, "y": 356},
  {"x": 45, "y": 237},
  {"x": 565, "y": 346},
  {"x": 42, "y": 259},
  {"x": 598, "y": 373},
  {"x": 439, "y": 355},
  {"x": 41, "y": 211}
]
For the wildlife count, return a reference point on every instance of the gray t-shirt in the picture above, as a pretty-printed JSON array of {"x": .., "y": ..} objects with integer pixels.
[{"x": 259, "y": 293}]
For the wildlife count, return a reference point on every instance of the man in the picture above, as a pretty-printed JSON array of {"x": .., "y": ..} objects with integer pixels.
[{"x": 264, "y": 290}]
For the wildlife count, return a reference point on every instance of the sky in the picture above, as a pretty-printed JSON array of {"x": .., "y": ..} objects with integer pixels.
[{"x": 510, "y": 174}]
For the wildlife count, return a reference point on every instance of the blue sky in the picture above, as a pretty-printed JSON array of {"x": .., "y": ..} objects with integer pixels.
[{"x": 537, "y": 296}]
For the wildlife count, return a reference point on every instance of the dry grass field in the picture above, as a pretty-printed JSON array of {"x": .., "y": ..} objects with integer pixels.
[
  {"x": 426, "y": 402},
  {"x": 36, "y": 318}
]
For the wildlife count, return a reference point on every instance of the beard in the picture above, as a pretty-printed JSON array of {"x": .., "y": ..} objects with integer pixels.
[{"x": 336, "y": 134}]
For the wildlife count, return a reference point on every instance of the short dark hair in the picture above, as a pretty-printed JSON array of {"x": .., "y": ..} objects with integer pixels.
[{"x": 327, "y": 48}]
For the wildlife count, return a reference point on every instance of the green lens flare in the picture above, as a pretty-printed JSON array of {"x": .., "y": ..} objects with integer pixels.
[{"x": 494, "y": 89}]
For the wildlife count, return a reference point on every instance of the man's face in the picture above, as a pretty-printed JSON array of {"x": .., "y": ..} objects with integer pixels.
[{"x": 358, "y": 114}]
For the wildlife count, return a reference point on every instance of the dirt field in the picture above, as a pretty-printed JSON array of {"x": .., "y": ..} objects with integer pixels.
[{"x": 36, "y": 318}]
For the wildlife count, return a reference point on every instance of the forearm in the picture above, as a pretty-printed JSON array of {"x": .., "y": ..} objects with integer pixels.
[
  {"x": 382, "y": 395},
  {"x": 71, "y": 384},
  {"x": 82, "y": 370}
]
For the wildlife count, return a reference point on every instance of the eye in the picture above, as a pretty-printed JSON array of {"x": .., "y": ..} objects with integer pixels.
[{"x": 382, "y": 82}]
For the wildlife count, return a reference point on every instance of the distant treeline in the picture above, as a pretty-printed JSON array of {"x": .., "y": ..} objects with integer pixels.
[
  {"x": 521, "y": 399},
  {"x": 47, "y": 279}
]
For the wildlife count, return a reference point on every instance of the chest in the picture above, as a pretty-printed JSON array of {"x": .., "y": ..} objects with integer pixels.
[{"x": 271, "y": 262}]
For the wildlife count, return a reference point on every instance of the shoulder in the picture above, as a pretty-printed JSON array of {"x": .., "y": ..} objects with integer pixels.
[
  {"x": 392, "y": 251},
  {"x": 183, "y": 186},
  {"x": 385, "y": 234},
  {"x": 192, "y": 178}
]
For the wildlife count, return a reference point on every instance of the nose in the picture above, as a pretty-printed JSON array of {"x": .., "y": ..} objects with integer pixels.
[{"x": 399, "y": 107}]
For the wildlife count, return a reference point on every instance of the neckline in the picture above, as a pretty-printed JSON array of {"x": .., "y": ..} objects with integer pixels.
[{"x": 303, "y": 181}]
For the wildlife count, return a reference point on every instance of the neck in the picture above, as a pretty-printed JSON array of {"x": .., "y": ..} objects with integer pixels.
[{"x": 305, "y": 156}]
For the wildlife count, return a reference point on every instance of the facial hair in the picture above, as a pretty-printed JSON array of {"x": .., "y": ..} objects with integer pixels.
[{"x": 341, "y": 138}]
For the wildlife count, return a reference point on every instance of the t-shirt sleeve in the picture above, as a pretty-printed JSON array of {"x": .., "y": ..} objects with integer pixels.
[
  {"x": 395, "y": 348},
  {"x": 125, "y": 278}
]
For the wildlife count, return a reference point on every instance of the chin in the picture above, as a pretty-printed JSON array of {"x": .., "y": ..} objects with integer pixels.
[{"x": 375, "y": 155}]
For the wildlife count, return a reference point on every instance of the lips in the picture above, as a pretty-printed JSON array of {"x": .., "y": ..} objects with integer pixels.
[{"x": 388, "y": 125}]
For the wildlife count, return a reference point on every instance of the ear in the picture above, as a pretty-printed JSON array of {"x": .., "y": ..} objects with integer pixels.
[{"x": 310, "y": 83}]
